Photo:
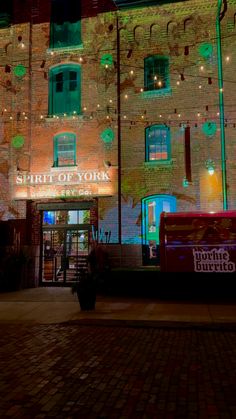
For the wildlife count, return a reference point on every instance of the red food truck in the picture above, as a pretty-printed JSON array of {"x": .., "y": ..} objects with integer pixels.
[{"x": 198, "y": 242}]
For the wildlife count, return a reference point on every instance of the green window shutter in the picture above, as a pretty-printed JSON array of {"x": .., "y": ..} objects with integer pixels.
[
  {"x": 65, "y": 90},
  {"x": 65, "y": 27},
  {"x": 156, "y": 72},
  {"x": 64, "y": 153},
  {"x": 157, "y": 139}
]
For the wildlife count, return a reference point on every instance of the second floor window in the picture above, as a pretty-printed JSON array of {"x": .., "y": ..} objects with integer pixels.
[
  {"x": 156, "y": 73},
  {"x": 65, "y": 90},
  {"x": 5, "y": 14},
  {"x": 65, "y": 26},
  {"x": 64, "y": 150},
  {"x": 157, "y": 143}
]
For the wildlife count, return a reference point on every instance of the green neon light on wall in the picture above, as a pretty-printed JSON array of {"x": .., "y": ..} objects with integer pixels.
[{"x": 221, "y": 106}]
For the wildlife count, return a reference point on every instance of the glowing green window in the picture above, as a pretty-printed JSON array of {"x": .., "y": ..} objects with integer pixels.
[
  {"x": 157, "y": 138},
  {"x": 152, "y": 206},
  {"x": 156, "y": 73},
  {"x": 65, "y": 90},
  {"x": 65, "y": 27},
  {"x": 64, "y": 150}
]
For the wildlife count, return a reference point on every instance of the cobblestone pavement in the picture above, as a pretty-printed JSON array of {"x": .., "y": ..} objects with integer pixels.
[{"x": 105, "y": 372}]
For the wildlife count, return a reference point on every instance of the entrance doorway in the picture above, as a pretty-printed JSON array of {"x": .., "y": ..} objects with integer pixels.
[{"x": 65, "y": 245}]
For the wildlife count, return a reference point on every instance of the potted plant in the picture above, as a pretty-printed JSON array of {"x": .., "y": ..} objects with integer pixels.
[{"x": 85, "y": 288}]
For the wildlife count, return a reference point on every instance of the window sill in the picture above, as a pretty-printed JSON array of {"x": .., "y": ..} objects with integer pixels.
[
  {"x": 64, "y": 168},
  {"x": 64, "y": 49},
  {"x": 158, "y": 163},
  {"x": 157, "y": 93},
  {"x": 50, "y": 118}
]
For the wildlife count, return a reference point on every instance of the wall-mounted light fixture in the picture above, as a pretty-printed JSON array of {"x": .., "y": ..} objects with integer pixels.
[{"x": 210, "y": 165}]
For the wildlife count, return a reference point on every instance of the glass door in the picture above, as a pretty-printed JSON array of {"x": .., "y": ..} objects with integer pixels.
[{"x": 65, "y": 245}]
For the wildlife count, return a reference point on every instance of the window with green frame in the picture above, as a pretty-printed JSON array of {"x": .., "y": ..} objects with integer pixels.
[
  {"x": 65, "y": 25},
  {"x": 64, "y": 152},
  {"x": 157, "y": 139},
  {"x": 156, "y": 73},
  {"x": 65, "y": 90},
  {"x": 5, "y": 14}
]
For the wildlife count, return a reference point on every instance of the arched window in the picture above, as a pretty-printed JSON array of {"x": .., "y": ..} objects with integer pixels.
[
  {"x": 64, "y": 149},
  {"x": 152, "y": 206},
  {"x": 157, "y": 143},
  {"x": 65, "y": 90},
  {"x": 65, "y": 27},
  {"x": 156, "y": 73}
]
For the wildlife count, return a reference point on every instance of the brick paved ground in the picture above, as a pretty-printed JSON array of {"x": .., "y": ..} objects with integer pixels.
[{"x": 92, "y": 371}]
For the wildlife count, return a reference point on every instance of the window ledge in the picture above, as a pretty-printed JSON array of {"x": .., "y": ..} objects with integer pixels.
[
  {"x": 158, "y": 163},
  {"x": 50, "y": 118},
  {"x": 64, "y": 49},
  {"x": 157, "y": 93},
  {"x": 64, "y": 168}
]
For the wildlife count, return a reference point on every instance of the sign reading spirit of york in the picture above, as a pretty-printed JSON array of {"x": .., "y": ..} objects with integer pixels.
[
  {"x": 215, "y": 260},
  {"x": 92, "y": 176}
]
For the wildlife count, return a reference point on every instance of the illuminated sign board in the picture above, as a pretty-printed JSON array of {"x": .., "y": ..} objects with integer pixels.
[
  {"x": 67, "y": 177},
  {"x": 65, "y": 184}
]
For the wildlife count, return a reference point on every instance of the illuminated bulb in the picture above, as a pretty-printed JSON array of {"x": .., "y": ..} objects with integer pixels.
[
  {"x": 64, "y": 114},
  {"x": 218, "y": 113},
  {"x": 110, "y": 100},
  {"x": 73, "y": 117},
  {"x": 227, "y": 58},
  {"x": 22, "y": 45},
  {"x": 11, "y": 117},
  {"x": 26, "y": 117},
  {"x": 221, "y": 90},
  {"x": 98, "y": 106},
  {"x": 159, "y": 83},
  {"x": 74, "y": 112},
  {"x": 52, "y": 53},
  {"x": 141, "y": 90},
  {"x": 131, "y": 72},
  {"x": 81, "y": 59},
  {"x": 178, "y": 82},
  {"x": 108, "y": 117},
  {"x": 125, "y": 116},
  {"x": 106, "y": 66},
  {"x": 126, "y": 96},
  {"x": 201, "y": 68},
  {"x": 179, "y": 115},
  {"x": 23, "y": 113},
  {"x": 41, "y": 116},
  {"x": 85, "y": 109},
  {"x": 5, "y": 110},
  {"x": 155, "y": 77},
  {"x": 198, "y": 114},
  {"x": 142, "y": 116},
  {"x": 211, "y": 170},
  {"x": 200, "y": 86},
  {"x": 160, "y": 116}
]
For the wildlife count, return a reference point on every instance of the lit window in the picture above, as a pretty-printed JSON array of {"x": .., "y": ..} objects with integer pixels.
[
  {"x": 156, "y": 73},
  {"x": 157, "y": 143},
  {"x": 65, "y": 27},
  {"x": 65, "y": 90},
  {"x": 64, "y": 150}
]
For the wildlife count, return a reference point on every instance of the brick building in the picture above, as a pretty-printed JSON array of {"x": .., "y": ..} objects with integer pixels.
[{"x": 111, "y": 112}]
